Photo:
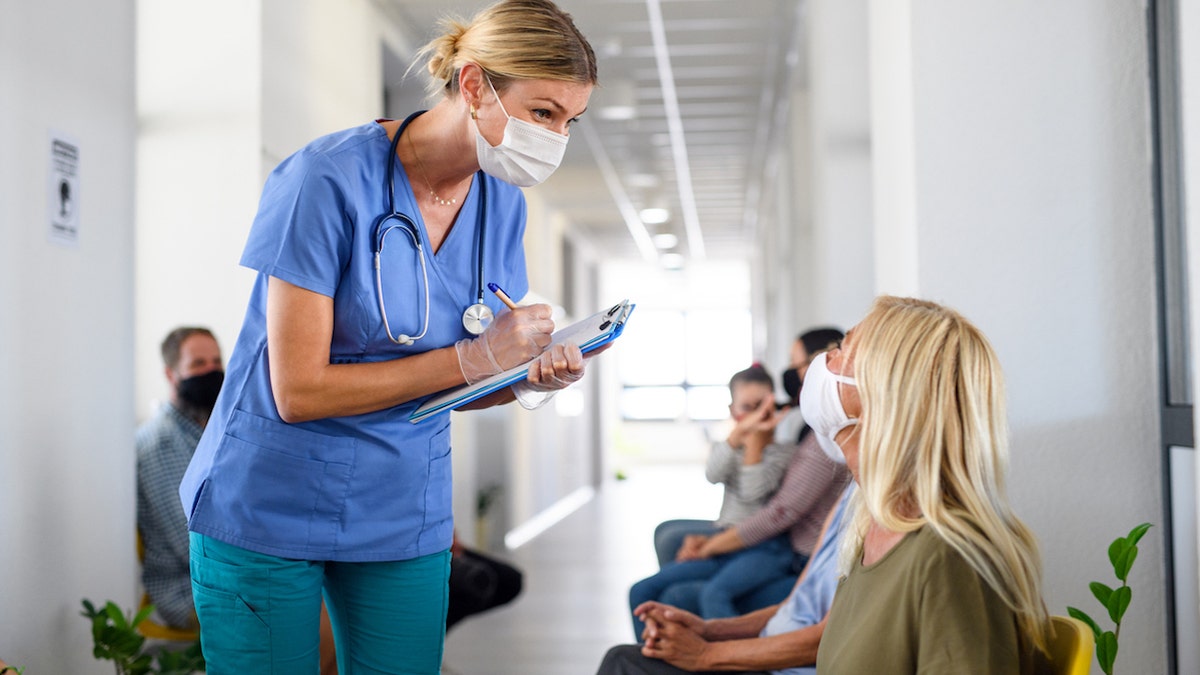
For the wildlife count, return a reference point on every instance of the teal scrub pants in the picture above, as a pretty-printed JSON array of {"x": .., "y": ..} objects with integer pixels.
[{"x": 261, "y": 614}]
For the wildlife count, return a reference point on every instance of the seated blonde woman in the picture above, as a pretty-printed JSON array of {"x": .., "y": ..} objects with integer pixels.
[{"x": 940, "y": 575}]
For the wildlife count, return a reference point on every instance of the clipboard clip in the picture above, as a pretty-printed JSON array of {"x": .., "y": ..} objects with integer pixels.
[{"x": 621, "y": 312}]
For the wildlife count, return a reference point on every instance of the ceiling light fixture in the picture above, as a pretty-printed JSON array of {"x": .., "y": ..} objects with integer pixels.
[
  {"x": 654, "y": 216},
  {"x": 687, "y": 195},
  {"x": 617, "y": 113},
  {"x": 665, "y": 240}
]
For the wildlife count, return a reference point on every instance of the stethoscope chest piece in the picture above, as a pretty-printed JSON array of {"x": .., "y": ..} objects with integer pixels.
[{"x": 477, "y": 318}]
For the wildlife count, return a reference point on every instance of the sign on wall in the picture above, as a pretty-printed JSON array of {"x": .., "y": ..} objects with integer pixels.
[{"x": 62, "y": 187}]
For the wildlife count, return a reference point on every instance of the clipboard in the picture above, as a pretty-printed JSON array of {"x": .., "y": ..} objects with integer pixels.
[{"x": 590, "y": 334}]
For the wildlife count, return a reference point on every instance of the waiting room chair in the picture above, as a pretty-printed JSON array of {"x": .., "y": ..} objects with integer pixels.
[
  {"x": 1071, "y": 647},
  {"x": 149, "y": 628}
]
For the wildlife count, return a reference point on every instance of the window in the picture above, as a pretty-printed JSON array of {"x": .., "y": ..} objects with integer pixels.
[{"x": 677, "y": 365}]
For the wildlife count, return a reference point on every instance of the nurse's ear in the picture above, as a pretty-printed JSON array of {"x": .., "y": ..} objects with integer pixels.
[{"x": 471, "y": 86}]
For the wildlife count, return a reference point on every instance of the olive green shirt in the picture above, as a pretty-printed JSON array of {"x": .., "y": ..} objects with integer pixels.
[{"x": 919, "y": 609}]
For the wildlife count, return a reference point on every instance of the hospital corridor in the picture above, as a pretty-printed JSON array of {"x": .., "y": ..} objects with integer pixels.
[{"x": 280, "y": 281}]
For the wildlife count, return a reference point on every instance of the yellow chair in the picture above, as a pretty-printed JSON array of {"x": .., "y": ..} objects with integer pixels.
[
  {"x": 1071, "y": 647},
  {"x": 149, "y": 628}
]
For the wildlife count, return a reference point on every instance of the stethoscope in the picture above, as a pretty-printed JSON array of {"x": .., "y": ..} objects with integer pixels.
[{"x": 475, "y": 317}]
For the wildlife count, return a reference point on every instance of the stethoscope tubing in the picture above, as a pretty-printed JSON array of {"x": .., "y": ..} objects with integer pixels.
[{"x": 410, "y": 228}]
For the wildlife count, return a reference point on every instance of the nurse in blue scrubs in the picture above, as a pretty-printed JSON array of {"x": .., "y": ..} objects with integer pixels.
[{"x": 372, "y": 247}]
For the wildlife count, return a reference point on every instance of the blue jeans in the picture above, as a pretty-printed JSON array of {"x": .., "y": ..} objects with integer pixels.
[
  {"x": 261, "y": 613},
  {"x": 669, "y": 536},
  {"x": 712, "y": 588}
]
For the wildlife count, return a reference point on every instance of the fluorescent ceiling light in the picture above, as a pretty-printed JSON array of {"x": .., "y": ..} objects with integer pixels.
[
  {"x": 683, "y": 171},
  {"x": 617, "y": 113},
  {"x": 642, "y": 180},
  {"x": 655, "y": 216},
  {"x": 665, "y": 241}
]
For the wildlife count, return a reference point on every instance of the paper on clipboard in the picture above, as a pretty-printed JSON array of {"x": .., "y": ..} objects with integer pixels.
[{"x": 591, "y": 333}]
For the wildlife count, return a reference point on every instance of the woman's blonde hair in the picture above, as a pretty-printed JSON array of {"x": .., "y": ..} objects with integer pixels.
[
  {"x": 510, "y": 40},
  {"x": 935, "y": 443}
]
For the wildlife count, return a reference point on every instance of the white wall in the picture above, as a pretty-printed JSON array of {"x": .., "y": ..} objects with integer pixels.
[
  {"x": 1030, "y": 184},
  {"x": 66, "y": 332},
  {"x": 213, "y": 123},
  {"x": 839, "y": 98},
  {"x": 199, "y": 173}
]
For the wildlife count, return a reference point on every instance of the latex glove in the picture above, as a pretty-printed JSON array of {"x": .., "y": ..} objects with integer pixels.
[
  {"x": 557, "y": 368},
  {"x": 513, "y": 338}
]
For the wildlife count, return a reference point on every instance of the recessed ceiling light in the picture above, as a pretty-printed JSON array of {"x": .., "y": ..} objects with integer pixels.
[
  {"x": 641, "y": 180},
  {"x": 665, "y": 241},
  {"x": 654, "y": 216},
  {"x": 617, "y": 112}
]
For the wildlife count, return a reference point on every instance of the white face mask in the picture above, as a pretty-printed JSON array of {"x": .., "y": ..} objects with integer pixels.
[
  {"x": 527, "y": 154},
  {"x": 822, "y": 407}
]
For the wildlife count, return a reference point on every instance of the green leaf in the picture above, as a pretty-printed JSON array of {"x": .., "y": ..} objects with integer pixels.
[
  {"x": 1106, "y": 651},
  {"x": 1136, "y": 533},
  {"x": 114, "y": 613},
  {"x": 1082, "y": 616},
  {"x": 1118, "y": 602},
  {"x": 1126, "y": 562},
  {"x": 1102, "y": 592},
  {"x": 1116, "y": 551},
  {"x": 141, "y": 616},
  {"x": 129, "y": 643}
]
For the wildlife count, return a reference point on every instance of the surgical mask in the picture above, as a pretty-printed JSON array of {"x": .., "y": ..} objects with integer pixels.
[
  {"x": 791, "y": 384},
  {"x": 201, "y": 391},
  {"x": 821, "y": 406},
  {"x": 527, "y": 154}
]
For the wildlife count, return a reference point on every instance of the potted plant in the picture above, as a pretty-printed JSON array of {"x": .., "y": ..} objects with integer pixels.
[
  {"x": 1121, "y": 553},
  {"x": 116, "y": 638}
]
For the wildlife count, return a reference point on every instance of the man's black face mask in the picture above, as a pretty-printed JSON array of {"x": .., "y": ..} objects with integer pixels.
[{"x": 201, "y": 391}]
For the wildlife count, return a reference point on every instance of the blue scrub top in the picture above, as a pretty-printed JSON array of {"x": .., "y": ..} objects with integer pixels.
[{"x": 366, "y": 487}]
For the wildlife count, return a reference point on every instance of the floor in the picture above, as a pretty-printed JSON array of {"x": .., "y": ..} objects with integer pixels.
[{"x": 577, "y": 575}]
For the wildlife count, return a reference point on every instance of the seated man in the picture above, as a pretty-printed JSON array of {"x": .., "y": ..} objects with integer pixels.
[
  {"x": 780, "y": 640},
  {"x": 165, "y": 444}
]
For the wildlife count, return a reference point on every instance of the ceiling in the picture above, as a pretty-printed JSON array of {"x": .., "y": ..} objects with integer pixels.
[{"x": 687, "y": 117}]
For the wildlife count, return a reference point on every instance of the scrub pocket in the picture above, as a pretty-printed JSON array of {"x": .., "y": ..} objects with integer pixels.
[
  {"x": 258, "y": 613},
  {"x": 232, "y": 633},
  {"x": 289, "y": 479}
]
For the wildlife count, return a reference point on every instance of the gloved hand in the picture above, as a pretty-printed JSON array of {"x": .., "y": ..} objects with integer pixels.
[
  {"x": 513, "y": 338},
  {"x": 557, "y": 368}
]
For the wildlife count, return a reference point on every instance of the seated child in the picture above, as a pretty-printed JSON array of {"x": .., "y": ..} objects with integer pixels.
[{"x": 748, "y": 462}]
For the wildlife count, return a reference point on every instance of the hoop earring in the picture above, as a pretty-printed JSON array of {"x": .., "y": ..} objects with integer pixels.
[{"x": 473, "y": 115}]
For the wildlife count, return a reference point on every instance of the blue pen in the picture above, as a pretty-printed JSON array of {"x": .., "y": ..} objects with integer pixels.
[{"x": 502, "y": 295}]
